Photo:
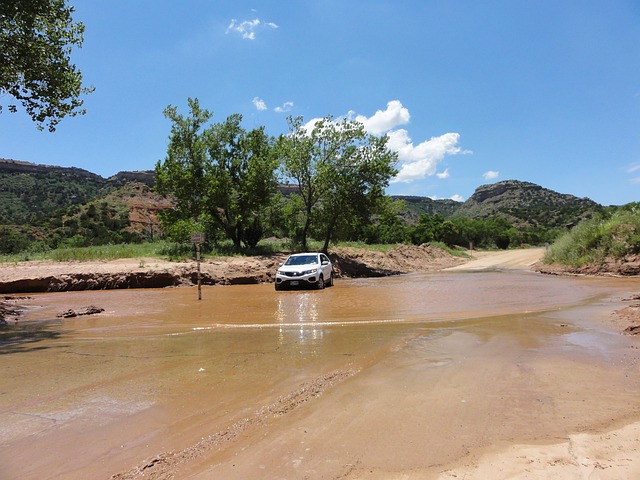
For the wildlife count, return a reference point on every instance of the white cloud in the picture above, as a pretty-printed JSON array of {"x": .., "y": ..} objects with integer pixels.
[
  {"x": 248, "y": 28},
  {"x": 490, "y": 175},
  {"x": 633, "y": 168},
  {"x": 456, "y": 197},
  {"x": 383, "y": 121},
  {"x": 415, "y": 161},
  {"x": 443, "y": 175},
  {"x": 286, "y": 107},
  {"x": 420, "y": 161},
  {"x": 259, "y": 104}
]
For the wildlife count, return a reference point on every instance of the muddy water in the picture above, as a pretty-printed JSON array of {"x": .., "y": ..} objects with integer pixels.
[{"x": 230, "y": 386}]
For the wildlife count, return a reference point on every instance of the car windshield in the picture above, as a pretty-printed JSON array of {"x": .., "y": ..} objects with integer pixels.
[{"x": 302, "y": 260}]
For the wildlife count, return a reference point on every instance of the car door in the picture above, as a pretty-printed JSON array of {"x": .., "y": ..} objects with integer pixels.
[{"x": 326, "y": 267}]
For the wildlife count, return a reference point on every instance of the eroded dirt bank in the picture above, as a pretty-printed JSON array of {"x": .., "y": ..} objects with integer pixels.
[{"x": 29, "y": 277}]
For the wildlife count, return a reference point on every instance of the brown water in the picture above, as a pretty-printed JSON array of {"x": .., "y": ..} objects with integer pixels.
[{"x": 160, "y": 371}]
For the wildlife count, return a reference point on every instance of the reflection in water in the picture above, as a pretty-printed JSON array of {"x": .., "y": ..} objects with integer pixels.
[{"x": 297, "y": 314}]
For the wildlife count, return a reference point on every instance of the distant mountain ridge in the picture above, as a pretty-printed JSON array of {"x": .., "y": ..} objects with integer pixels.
[
  {"x": 18, "y": 166},
  {"x": 30, "y": 191},
  {"x": 527, "y": 204}
]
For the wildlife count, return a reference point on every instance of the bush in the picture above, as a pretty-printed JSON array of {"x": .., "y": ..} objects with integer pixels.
[{"x": 593, "y": 241}]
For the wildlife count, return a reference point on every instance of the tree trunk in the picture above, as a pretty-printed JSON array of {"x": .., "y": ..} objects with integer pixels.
[{"x": 327, "y": 238}]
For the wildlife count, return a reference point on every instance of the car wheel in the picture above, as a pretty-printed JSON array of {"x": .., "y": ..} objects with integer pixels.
[
  {"x": 330, "y": 282},
  {"x": 278, "y": 286},
  {"x": 320, "y": 283}
]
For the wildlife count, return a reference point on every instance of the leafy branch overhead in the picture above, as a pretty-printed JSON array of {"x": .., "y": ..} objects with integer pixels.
[{"x": 36, "y": 41}]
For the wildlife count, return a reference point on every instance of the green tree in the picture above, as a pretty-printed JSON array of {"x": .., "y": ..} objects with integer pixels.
[
  {"x": 36, "y": 39},
  {"x": 340, "y": 172},
  {"x": 243, "y": 180},
  {"x": 426, "y": 228},
  {"x": 388, "y": 227},
  {"x": 221, "y": 177}
]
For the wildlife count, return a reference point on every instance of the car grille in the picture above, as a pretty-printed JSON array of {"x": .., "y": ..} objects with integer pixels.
[{"x": 293, "y": 274}]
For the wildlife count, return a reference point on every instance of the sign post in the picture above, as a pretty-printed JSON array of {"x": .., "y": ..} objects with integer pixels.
[{"x": 198, "y": 239}]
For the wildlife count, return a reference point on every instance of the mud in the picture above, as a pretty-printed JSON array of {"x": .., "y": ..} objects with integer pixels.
[{"x": 461, "y": 374}]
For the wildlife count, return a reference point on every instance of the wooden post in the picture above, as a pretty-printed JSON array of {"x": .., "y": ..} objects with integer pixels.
[
  {"x": 199, "y": 276},
  {"x": 198, "y": 239}
]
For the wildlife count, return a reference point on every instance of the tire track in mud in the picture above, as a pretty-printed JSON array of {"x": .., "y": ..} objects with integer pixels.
[{"x": 163, "y": 466}]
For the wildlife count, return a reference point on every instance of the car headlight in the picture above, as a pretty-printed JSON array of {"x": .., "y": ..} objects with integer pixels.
[{"x": 307, "y": 272}]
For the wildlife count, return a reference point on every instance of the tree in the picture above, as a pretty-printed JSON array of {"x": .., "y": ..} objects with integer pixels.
[
  {"x": 243, "y": 180},
  {"x": 221, "y": 177},
  {"x": 427, "y": 228},
  {"x": 340, "y": 172},
  {"x": 388, "y": 227},
  {"x": 36, "y": 40}
]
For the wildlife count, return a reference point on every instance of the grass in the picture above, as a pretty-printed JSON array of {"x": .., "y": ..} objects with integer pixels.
[
  {"x": 83, "y": 254},
  {"x": 375, "y": 247},
  {"x": 185, "y": 251},
  {"x": 593, "y": 241}
]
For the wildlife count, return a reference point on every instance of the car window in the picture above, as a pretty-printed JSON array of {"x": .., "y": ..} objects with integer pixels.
[
  {"x": 324, "y": 258},
  {"x": 301, "y": 260}
]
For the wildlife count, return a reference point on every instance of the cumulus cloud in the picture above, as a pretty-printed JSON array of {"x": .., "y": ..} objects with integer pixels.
[
  {"x": 259, "y": 104},
  {"x": 248, "y": 28},
  {"x": 416, "y": 161},
  {"x": 286, "y": 107},
  {"x": 421, "y": 160},
  {"x": 490, "y": 175},
  {"x": 384, "y": 120}
]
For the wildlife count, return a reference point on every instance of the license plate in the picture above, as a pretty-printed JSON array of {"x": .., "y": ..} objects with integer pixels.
[{"x": 294, "y": 282}]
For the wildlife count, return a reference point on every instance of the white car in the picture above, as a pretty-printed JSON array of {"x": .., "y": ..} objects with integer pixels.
[{"x": 305, "y": 270}]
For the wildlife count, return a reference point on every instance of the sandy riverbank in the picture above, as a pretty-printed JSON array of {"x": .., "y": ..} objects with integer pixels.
[{"x": 49, "y": 276}]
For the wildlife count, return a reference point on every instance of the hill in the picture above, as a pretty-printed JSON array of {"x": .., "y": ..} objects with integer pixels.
[
  {"x": 31, "y": 192},
  {"x": 58, "y": 203},
  {"x": 416, "y": 206},
  {"x": 525, "y": 204}
]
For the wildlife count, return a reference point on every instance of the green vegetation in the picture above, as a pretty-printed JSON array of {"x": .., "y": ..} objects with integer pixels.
[
  {"x": 102, "y": 252},
  {"x": 340, "y": 173},
  {"x": 226, "y": 181},
  {"x": 27, "y": 198},
  {"x": 614, "y": 235},
  {"x": 36, "y": 38},
  {"x": 527, "y": 206},
  {"x": 223, "y": 179},
  {"x": 495, "y": 232}
]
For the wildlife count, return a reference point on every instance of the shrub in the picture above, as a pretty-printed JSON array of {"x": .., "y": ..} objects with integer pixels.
[{"x": 593, "y": 241}]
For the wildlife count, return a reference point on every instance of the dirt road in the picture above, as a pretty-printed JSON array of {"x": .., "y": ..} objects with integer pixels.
[{"x": 522, "y": 259}]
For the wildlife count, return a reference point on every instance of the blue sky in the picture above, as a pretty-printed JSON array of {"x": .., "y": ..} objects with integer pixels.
[{"x": 470, "y": 93}]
